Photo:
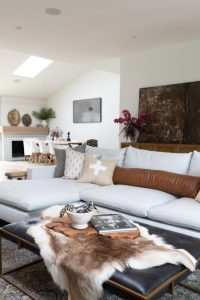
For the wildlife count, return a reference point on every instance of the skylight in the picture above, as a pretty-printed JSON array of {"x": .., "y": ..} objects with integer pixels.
[{"x": 32, "y": 66}]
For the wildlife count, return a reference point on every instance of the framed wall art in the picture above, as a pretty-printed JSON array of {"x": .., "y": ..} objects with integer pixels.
[
  {"x": 173, "y": 113},
  {"x": 87, "y": 110}
]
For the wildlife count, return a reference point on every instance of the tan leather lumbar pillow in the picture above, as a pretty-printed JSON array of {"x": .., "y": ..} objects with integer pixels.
[{"x": 172, "y": 183}]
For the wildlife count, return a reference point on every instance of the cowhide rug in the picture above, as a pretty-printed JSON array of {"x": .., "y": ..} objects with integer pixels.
[{"x": 82, "y": 265}]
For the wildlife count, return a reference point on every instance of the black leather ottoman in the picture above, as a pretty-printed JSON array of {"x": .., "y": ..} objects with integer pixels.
[{"x": 146, "y": 284}]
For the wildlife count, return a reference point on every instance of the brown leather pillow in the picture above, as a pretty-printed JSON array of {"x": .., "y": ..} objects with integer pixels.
[{"x": 172, "y": 183}]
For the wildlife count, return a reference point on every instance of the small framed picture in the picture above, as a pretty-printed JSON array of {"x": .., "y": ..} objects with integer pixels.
[{"x": 87, "y": 110}]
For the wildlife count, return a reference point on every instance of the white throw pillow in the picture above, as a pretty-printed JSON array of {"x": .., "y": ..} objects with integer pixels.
[
  {"x": 154, "y": 160},
  {"x": 195, "y": 164},
  {"x": 97, "y": 171},
  {"x": 73, "y": 164},
  {"x": 108, "y": 154}
]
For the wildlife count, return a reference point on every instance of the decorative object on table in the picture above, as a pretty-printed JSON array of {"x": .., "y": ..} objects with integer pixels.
[
  {"x": 97, "y": 171},
  {"x": 87, "y": 110},
  {"x": 133, "y": 125},
  {"x": 85, "y": 208},
  {"x": 110, "y": 223},
  {"x": 68, "y": 137},
  {"x": 26, "y": 120},
  {"x": 44, "y": 114},
  {"x": 174, "y": 113},
  {"x": 86, "y": 280},
  {"x": 78, "y": 215},
  {"x": 14, "y": 117},
  {"x": 63, "y": 225},
  {"x": 79, "y": 220},
  {"x": 56, "y": 133}
]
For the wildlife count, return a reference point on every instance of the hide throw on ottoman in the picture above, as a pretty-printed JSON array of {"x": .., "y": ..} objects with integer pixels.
[{"x": 81, "y": 265}]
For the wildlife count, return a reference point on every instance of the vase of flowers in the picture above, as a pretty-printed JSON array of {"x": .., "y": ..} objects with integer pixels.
[
  {"x": 133, "y": 125},
  {"x": 56, "y": 133}
]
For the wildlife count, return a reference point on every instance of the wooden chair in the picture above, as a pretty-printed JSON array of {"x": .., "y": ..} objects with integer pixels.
[
  {"x": 52, "y": 156},
  {"x": 92, "y": 143},
  {"x": 27, "y": 148},
  {"x": 44, "y": 152},
  {"x": 35, "y": 152}
]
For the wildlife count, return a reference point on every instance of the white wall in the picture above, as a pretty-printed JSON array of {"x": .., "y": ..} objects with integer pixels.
[
  {"x": 92, "y": 84},
  {"x": 174, "y": 64},
  {"x": 25, "y": 105}
]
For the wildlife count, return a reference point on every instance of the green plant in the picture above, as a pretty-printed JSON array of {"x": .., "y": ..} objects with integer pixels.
[{"x": 44, "y": 114}]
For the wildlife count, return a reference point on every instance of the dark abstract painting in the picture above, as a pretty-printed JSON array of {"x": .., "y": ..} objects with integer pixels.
[{"x": 173, "y": 113}]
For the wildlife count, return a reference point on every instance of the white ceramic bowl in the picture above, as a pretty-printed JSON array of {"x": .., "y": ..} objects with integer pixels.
[{"x": 80, "y": 220}]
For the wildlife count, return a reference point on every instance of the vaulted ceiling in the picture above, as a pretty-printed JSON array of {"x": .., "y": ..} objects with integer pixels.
[{"x": 87, "y": 34}]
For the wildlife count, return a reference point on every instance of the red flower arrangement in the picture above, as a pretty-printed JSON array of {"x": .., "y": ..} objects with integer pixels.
[{"x": 133, "y": 125}]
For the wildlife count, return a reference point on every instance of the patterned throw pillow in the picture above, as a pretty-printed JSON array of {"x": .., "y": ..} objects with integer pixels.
[
  {"x": 97, "y": 171},
  {"x": 73, "y": 164},
  {"x": 60, "y": 159}
]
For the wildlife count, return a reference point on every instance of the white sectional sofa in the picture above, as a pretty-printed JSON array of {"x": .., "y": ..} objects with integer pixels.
[{"x": 20, "y": 200}]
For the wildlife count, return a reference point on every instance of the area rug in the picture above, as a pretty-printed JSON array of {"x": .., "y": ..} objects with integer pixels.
[{"x": 38, "y": 283}]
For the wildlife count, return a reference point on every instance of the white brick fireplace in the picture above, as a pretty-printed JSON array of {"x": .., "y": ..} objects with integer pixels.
[{"x": 9, "y": 134}]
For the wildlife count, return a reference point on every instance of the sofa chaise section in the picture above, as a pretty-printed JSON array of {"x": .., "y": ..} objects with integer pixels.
[{"x": 35, "y": 195}]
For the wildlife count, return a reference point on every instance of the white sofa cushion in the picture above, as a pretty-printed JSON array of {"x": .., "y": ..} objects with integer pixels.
[
  {"x": 154, "y": 160},
  {"x": 30, "y": 195},
  {"x": 184, "y": 212},
  {"x": 195, "y": 164},
  {"x": 108, "y": 154},
  {"x": 129, "y": 199}
]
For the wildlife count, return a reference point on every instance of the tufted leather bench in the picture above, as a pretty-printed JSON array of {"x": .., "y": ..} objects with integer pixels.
[{"x": 145, "y": 284}]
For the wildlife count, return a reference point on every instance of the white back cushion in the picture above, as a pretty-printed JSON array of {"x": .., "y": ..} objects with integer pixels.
[
  {"x": 164, "y": 161},
  {"x": 195, "y": 164},
  {"x": 108, "y": 154}
]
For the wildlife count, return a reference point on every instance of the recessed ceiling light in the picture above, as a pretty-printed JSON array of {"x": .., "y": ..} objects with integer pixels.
[
  {"x": 32, "y": 66},
  {"x": 52, "y": 11},
  {"x": 16, "y": 80},
  {"x": 18, "y": 27},
  {"x": 134, "y": 37}
]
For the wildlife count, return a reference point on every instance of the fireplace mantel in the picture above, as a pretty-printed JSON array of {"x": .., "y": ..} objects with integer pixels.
[{"x": 24, "y": 130}]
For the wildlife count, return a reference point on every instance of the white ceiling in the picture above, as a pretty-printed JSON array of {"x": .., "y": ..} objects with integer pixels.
[
  {"x": 87, "y": 34},
  {"x": 47, "y": 82}
]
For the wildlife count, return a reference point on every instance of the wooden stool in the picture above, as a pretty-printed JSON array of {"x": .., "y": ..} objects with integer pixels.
[{"x": 17, "y": 175}]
